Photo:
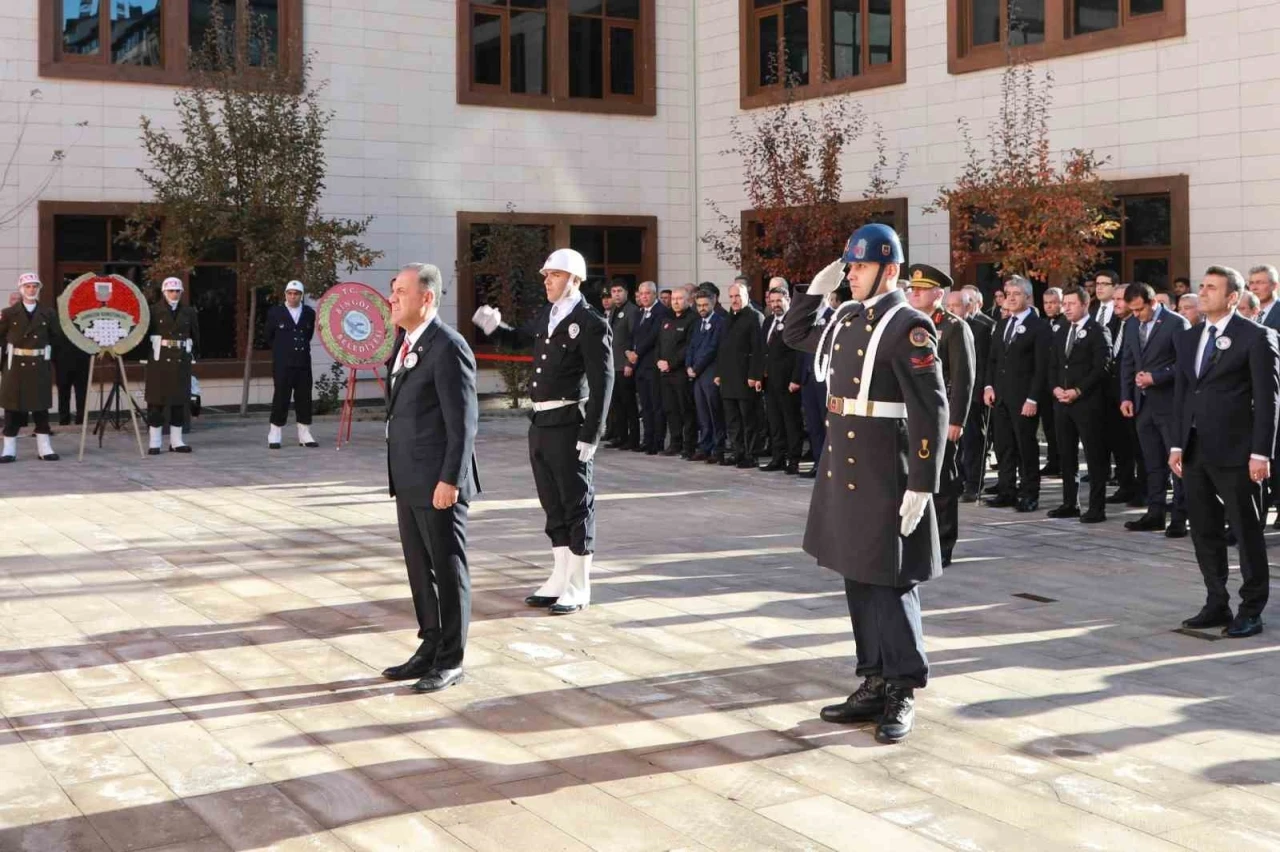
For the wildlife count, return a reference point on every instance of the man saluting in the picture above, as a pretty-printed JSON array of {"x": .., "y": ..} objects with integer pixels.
[
  {"x": 871, "y": 518},
  {"x": 572, "y": 382}
]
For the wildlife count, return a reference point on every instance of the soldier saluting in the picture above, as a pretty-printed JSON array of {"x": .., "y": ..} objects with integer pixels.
[
  {"x": 28, "y": 331},
  {"x": 175, "y": 341},
  {"x": 572, "y": 382},
  {"x": 871, "y": 517}
]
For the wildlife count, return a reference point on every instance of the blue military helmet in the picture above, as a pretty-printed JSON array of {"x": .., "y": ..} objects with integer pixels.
[{"x": 874, "y": 243}]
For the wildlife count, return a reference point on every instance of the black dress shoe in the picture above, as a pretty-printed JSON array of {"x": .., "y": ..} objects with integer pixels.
[
  {"x": 1243, "y": 626},
  {"x": 1207, "y": 618},
  {"x": 1001, "y": 501},
  {"x": 728, "y": 461},
  {"x": 775, "y": 464},
  {"x": 422, "y": 662},
  {"x": 899, "y": 714},
  {"x": 309, "y": 444},
  {"x": 1177, "y": 529},
  {"x": 746, "y": 463},
  {"x": 1064, "y": 511},
  {"x": 991, "y": 489},
  {"x": 670, "y": 451},
  {"x": 1230, "y": 536},
  {"x": 811, "y": 473},
  {"x": 792, "y": 469},
  {"x": 686, "y": 457},
  {"x": 715, "y": 459},
  {"x": 865, "y": 705},
  {"x": 1026, "y": 504},
  {"x": 1051, "y": 470},
  {"x": 8, "y": 459},
  {"x": 1136, "y": 502},
  {"x": 638, "y": 449},
  {"x": 274, "y": 446},
  {"x": 539, "y": 601},
  {"x": 969, "y": 497},
  {"x": 154, "y": 451},
  {"x": 613, "y": 445},
  {"x": 50, "y": 457},
  {"x": 1119, "y": 497},
  {"x": 1093, "y": 517},
  {"x": 699, "y": 456},
  {"x": 438, "y": 679},
  {"x": 183, "y": 449},
  {"x": 1147, "y": 523},
  {"x": 566, "y": 609},
  {"x": 652, "y": 452}
]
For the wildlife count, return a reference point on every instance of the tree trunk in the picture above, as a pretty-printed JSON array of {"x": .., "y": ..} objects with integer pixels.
[{"x": 248, "y": 352}]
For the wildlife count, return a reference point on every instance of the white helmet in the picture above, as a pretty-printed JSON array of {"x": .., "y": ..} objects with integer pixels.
[{"x": 566, "y": 260}]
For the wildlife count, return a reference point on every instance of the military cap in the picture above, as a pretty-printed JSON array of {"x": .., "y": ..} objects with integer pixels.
[{"x": 924, "y": 276}]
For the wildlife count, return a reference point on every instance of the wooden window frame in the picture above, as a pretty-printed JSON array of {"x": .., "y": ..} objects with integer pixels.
[
  {"x": 173, "y": 69},
  {"x": 962, "y": 58},
  {"x": 820, "y": 85},
  {"x": 559, "y": 223},
  {"x": 227, "y": 368},
  {"x": 644, "y": 102}
]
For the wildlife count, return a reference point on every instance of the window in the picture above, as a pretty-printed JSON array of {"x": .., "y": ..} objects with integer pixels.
[
  {"x": 583, "y": 55},
  {"x": 625, "y": 246},
  {"x": 981, "y": 32},
  {"x": 815, "y": 48},
  {"x": 150, "y": 41}
]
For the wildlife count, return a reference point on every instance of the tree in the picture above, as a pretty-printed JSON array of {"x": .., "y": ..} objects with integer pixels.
[
  {"x": 247, "y": 168},
  {"x": 794, "y": 184},
  {"x": 11, "y": 211},
  {"x": 1042, "y": 219},
  {"x": 505, "y": 258}
]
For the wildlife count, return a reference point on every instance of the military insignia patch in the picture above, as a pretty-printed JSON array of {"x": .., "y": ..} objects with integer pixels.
[
  {"x": 919, "y": 337},
  {"x": 923, "y": 362},
  {"x": 573, "y": 331},
  {"x": 860, "y": 249},
  {"x": 917, "y": 275},
  {"x": 885, "y": 249}
]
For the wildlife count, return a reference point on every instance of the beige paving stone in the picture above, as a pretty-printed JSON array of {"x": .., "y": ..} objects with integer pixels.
[
  {"x": 867, "y": 786},
  {"x": 136, "y": 812},
  {"x": 86, "y": 757},
  {"x": 1223, "y": 837},
  {"x": 398, "y": 834},
  {"x": 718, "y": 823},
  {"x": 842, "y": 827},
  {"x": 521, "y": 829},
  {"x": 188, "y": 759}
]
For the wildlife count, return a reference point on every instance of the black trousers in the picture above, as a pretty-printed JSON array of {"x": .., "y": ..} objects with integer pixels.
[
  {"x": 973, "y": 446},
  {"x": 1049, "y": 423},
  {"x": 741, "y": 425},
  {"x": 1083, "y": 422},
  {"x": 786, "y": 424},
  {"x": 624, "y": 410},
  {"x": 1155, "y": 433},
  {"x": 435, "y": 556},
  {"x": 15, "y": 420},
  {"x": 887, "y": 633},
  {"x": 706, "y": 396},
  {"x": 177, "y": 415},
  {"x": 292, "y": 382},
  {"x": 649, "y": 386},
  {"x": 946, "y": 503},
  {"x": 72, "y": 378},
  {"x": 1212, "y": 492},
  {"x": 1122, "y": 445},
  {"x": 682, "y": 413},
  {"x": 813, "y": 400},
  {"x": 564, "y": 487},
  {"x": 1018, "y": 448}
]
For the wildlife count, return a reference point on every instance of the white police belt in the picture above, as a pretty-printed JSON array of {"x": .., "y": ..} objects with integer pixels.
[
  {"x": 14, "y": 352},
  {"x": 866, "y": 408},
  {"x": 176, "y": 344},
  {"x": 553, "y": 404}
]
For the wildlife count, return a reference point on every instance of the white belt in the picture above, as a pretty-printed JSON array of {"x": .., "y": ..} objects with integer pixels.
[
  {"x": 866, "y": 408},
  {"x": 13, "y": 351},
  {"x": 552, "y": 404}
]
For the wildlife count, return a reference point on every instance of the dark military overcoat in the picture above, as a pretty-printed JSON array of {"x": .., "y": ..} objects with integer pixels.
[
  {"x": 169, "y": 374},
  {"x": 28, "y": 379}
]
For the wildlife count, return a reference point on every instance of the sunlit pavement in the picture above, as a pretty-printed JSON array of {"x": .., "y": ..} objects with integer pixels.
[{"x": 190, "y": 648}]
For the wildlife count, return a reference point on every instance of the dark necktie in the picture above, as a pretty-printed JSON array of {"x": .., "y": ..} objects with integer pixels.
[
  {"x": 1071, "y": 338},
  {"x": 1143, "y": 333},
  {"x": 1209, "y": 346},
  {"x": 1008, "y": 332}
]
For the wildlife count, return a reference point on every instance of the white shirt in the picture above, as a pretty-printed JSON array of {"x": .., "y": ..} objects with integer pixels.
[
  {"x": 412, "y": 340},
  {"x": 563, "y": 307},
  {"x": 30, "y": 307},
  {"x": 296, "y": 313}
]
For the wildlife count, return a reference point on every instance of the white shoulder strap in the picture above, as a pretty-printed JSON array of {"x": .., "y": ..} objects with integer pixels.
[{"x": 869, "y": 362}]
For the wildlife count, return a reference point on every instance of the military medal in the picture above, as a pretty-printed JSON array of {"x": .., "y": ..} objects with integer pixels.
[{"x": 919, "y": 337}]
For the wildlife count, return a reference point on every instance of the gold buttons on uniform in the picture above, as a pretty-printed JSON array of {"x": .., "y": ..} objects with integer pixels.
[
  {"x": 828, "y": 474},
  {"x": 857, "y": 381},
  {"x": 860, "y": 352},
  {"x": 868, "y": 328},
  {"x": 539, "y": 370},
  {"x": 852, "y": 487},
  {"x": 837, "y": 347},
  {"x": 828, "y": 448},
  {"x": 850, "y": 436},
  {"x": 827, "y": 423},
  {"x": 851, "y": 460}
]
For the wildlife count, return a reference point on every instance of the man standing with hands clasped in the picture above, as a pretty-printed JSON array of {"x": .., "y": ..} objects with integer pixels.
[
  {"x": 871, "y": 518},
  {"x": 572, "y": 381},
  {"x": 1225, "y": 393},
  {"x": 432, "y": 415}
]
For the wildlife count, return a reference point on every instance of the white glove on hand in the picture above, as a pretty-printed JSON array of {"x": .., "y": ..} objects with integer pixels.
[
  {"x": 586, "y": 451},
  {"x": 487, "y": 319},
  {"x": 913, "y": 505},
  {"x": 828, "y": 280}
]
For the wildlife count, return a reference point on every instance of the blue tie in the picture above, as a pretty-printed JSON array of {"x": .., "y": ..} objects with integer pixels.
[{"x": 1208, "y": 351}]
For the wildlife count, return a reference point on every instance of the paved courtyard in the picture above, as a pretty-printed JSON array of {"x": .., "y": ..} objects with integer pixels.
[{"x": 190, "y": 648}]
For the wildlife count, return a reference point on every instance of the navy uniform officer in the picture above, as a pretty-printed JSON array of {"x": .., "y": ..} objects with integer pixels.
[
  {"x": 28, "y": 332},
  {"x": 290, "y": 328},
  {"x": 871, "y": 518},
  {"x": 572, "y": 382}
]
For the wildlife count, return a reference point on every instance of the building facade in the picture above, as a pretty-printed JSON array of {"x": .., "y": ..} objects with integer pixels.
[{"x": 603, "y": 123}]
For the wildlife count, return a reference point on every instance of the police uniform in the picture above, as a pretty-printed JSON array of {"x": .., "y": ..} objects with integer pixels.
[
  {"x": 28, "y": 333},
  {"x": 175, "y": 343},
  {"x": 571, "y": 385},
  {"x": 886, "y": 424},
  {"x": 959, "y": 373},
  {"x": 677, "y": 387},
  {"x": 290, "y": 341}
]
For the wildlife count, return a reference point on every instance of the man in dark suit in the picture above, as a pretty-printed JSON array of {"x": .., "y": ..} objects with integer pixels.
[
  {"x": 1147, "y": 366},
  {"x": 778, "y": 366},
  {"x": 290, "y": 328},
  {"x": 734, "y": 366},
  {"x": 1263, "y": 281},
  {"x": 1052, "y": 300},
  {"x": 1122, "y": 432},
  {"x": 700, "y": 361},
  {"x": 624, "y": 413},
  {"x": 1016, "y": 371},
  {"x": 1226, "y": 390},
  {"x": 71, "y": 364},
  {"x": 432, "y": 415},
  {"x": 1078, "y": 359},
  {"x": 643, "y": 357},
  {"x": 677, "y": 387},
  {"x": 973, "y": 443}
]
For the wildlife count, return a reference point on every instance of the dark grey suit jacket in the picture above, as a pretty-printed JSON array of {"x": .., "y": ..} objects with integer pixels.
[
  {"x": 623, "y": 323},
  {"x": 1158, "y": 358}
]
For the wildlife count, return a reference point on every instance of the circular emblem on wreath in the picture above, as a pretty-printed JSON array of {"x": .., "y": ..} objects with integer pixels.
[
  {"x": 103, "y": 313},
  {"x": 355, "y": 325}
]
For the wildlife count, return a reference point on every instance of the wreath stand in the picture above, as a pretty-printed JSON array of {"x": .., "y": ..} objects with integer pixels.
[
  {"x": 349, "y": 402},
  {"x": 119, "y": 388}
]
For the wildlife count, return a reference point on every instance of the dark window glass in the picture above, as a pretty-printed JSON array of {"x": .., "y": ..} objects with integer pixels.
[
  {"x": 625, "y": 245},
  {"x": 1091, "y": 16},
  {"x": 586, "y": 57},
  {"x": 219, "y": 251},
  {"x": 1145, "y": 7},
  {"x": 624, "y": 9},
  {"x": 200, "y": 20},
  {"x": 589, "y": 242},
  {"x": 586, "y": 7},
  {"x": 529, "y": 52},
  {"x": 622, "y": 60},
  {"x": 524, "y": 4},
  {"x": 265, "y": 300},
  {"x": 768, "y": 44},
  {"x": 981, "y": 221},
  {"x": 1112, "y": 260},
  {"x": 213, "y": 293},
  {"x": 1147, "y": 221},
  {"x": 1026, "y": 21},
  {"x": 1153, "y": 271},
  {"x": 795, "y": 28},
  {"x": 80, "y": 238},
  {"x": 135, "y": 32},
  {"x": 486, "y": 49},
  {"x": 264, "y": 32},
  {"x": 762, "y": 4},
  {"x": 987, "y": 278},
  {"x": 80, "y": 27},
  {"x": 846, "y": 45},
  {"x": 985, "y": 22},
  {"x": 123, "y": 248},
  {"x": 880, "y": 32}
]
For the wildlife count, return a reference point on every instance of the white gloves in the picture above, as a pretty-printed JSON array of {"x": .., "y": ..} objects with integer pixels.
[
  {"x": 487, "y": 319},
  {"x": 913, "y": 505},
  {"x": 586, "y": 451},
  {"x": 828, "y": 280}
]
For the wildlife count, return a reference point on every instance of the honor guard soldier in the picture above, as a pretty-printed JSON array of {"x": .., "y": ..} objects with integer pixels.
[
  {"x": 572, "y": 382},
  {"x": 871, "y": 518},
  {"x": 928, "y": 286},
  {"x": 29, "y": 332},
  {"x": 175, "y": 341},
  {"x": 290, "y": 328}
]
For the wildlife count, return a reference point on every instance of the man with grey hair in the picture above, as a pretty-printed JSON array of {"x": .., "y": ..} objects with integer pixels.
[
  {"x": 644, "y": 358},
  {"x": 1248, "y": 307},
  {"x": 973, "y": 443},
  {"x": 735, "y": 375},
  {"x": 1263, "y": 281},
  {"x": 432, "y": 416},
  {"x": 1189, "y": 307}
]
